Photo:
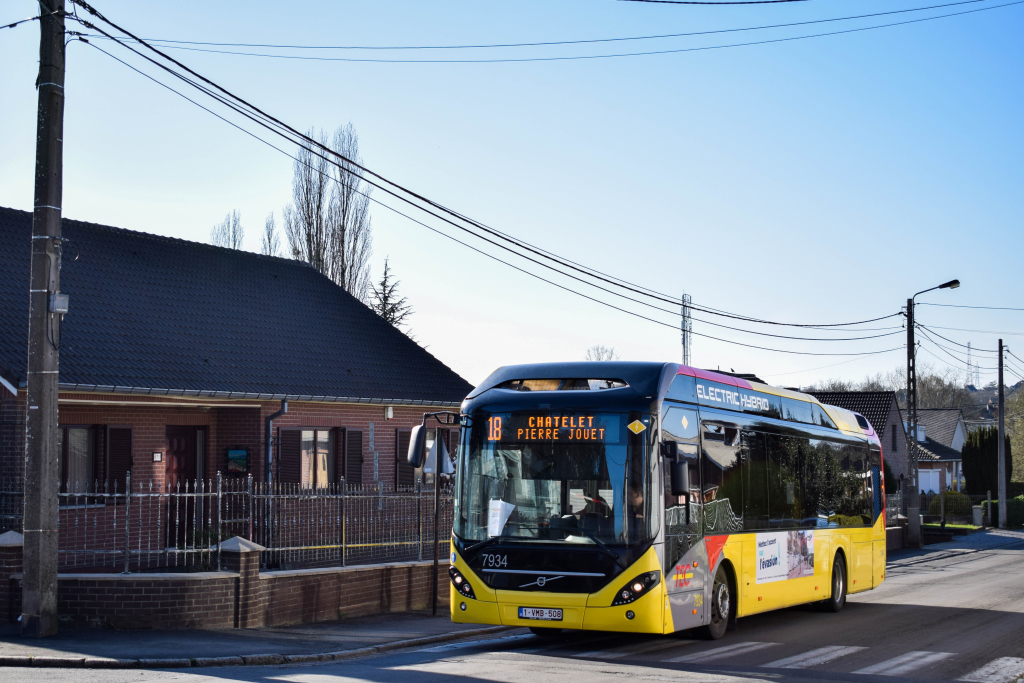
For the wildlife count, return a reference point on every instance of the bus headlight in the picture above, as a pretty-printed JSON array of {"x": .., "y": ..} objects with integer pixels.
[
  {"x": 460, "y": 583},
  {"x": 636, "y": 588}
]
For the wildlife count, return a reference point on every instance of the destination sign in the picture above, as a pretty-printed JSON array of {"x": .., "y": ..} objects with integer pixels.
[{"x": 553, "y": 427}]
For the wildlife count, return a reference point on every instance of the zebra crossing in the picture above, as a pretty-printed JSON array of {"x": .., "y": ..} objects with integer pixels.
[{"x": 913, "y": 663}]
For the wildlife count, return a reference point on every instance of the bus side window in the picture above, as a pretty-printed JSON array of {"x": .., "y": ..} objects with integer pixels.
[
  {"x": 785, "y": 494},
  {"x": 755, "y": 481},
  {"x": 721, "y": 483}
]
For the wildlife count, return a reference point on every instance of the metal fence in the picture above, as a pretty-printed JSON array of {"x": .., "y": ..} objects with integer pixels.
[
  {"x": 956, "y": 507},
  {"x": 894, "y": 508},
  {"x": 149, "y": 527}
]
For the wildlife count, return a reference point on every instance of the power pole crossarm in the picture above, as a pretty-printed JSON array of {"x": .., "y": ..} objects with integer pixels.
[{"x": 42, "y": 459}]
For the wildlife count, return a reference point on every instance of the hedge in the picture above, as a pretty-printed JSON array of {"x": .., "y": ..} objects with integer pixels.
[
  {"x": 1014, "y": 512},
  {"x": 957, "y": 505}
]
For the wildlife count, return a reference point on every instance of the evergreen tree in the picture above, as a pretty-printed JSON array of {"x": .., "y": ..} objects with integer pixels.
[
  {"x": 980, "y": 459},
  {"x": 386, "y": 301}
]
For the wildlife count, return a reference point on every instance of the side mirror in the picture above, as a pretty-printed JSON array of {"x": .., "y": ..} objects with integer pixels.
[
  {"x": 680, "y": 477},
  {"x": 417, "y": 446}
]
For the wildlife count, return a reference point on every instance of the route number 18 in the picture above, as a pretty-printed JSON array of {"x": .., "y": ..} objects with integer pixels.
[{"x": 494, "y": 429}]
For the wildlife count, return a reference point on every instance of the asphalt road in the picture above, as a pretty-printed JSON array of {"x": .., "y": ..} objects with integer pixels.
[{"x": 945, "y": 616}]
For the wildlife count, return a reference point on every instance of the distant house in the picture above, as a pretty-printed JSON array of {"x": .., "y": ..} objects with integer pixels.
[
  {"x": 174, "y": 352},
  {"x": 882, "y": 411},
  {"x": 941, "y": 435}
]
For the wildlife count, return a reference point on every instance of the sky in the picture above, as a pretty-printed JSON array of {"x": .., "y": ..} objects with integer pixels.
[{"x": 812, "y": 181}]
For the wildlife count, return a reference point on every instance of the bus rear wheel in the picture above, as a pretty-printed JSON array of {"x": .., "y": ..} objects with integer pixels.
[
  {"x": 544, "y": 632},
  {"x": 721, "y": 606},
  {"x": 835, "y": 602}
]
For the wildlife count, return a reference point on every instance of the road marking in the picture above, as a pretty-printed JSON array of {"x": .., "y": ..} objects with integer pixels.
[
  {"x": 898, "y": 666},
  {"x": 721, "y": 652},
  {"x": 822, "y": 655},
  {"x": 475, "y": 643},
  {"x": 1002, "y": 670},
  {"x": 638, "y": 649}
]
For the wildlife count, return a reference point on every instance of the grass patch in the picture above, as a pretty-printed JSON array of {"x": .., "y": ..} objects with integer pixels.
[{"x": 962, "y": 527}]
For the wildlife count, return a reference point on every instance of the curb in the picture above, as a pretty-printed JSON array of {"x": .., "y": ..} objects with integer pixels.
[{"x": 46, "y": 661}]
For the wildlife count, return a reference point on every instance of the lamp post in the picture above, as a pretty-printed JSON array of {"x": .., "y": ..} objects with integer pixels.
[{"x": 914, "y": 499}]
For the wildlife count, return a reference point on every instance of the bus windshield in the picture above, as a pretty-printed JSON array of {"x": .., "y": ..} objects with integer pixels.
[{"x": 576, "y": 477}]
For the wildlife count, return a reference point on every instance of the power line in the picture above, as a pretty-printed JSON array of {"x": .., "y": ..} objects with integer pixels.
[
  {"x": 920, "y": 326},
  {"x": 987, "y": 308},
  {"x": 964, "y": 329},
  {"x": 556, "y": 42},
  {"x": 280, "y": 128},
  {"x": 949, "y": 352},
  {"x": 797, "y": 372},
  {"x": 604, "y": 303},
  {"x": 580, "y": 57},
  {"x": 724, "y": 2}
]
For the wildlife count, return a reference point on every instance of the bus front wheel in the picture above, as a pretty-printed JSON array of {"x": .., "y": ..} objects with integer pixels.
[
  {"x": 835, "y": 602},
  {"x": 721, "y": 606}
]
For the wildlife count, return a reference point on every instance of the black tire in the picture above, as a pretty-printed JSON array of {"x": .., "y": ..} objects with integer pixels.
[
  {"x": 545, "y": 632},
  {"x": 837, "y": 599},
  {"x": 721, "y": 606}
]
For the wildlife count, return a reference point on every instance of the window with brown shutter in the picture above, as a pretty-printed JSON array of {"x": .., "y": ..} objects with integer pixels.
[
  {"x": 354, "y": 457},
  {"x": 119, "y": 457},
  {"x": 405, "y": 474},
  {"x": 289, "y": 463}
]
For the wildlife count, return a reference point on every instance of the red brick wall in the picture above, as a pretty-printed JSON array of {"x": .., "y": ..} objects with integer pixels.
[
  {"x": 149, "y": 600},
  {"x": 240, "y": 596},
  {"x": 322, "y": 595}
]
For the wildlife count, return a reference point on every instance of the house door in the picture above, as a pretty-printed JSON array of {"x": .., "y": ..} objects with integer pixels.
[
  {"x": 181, "y": 457},
  {"x": 184, "y": 508}
]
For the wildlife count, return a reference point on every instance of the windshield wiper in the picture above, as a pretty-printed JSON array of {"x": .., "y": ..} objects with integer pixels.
[
  {"x": 489, "y": 542},
  {"x": 601, "y": 546}
]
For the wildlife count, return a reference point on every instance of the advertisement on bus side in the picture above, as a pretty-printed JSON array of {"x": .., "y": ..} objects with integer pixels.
[{"x": 783, "y": 555}]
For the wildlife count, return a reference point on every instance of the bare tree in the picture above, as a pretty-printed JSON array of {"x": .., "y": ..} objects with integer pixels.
[
  {"x": 328, "y": 222},
  {"x": 271, "y": 243},
  {"x": 386, "y": 301},
  {"x": 834, "y": 384},
  {"x": 601, "y": 352},
  {"x": 228, "y": 233}
]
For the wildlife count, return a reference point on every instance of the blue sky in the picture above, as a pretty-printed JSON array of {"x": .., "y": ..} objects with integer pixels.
[{"x": 816, "y": 181}]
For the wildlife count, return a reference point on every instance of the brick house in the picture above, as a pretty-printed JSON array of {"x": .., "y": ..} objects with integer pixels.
[
  {"x": 174, "y": 353},
  {"x": 881, "y": 409}
]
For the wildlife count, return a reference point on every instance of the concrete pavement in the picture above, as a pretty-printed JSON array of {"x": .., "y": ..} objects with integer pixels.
[{"x": 98, "y": 648}]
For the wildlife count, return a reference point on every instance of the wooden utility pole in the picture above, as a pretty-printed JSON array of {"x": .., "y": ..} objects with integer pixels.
[
  {"x": 42, "y": 458},
  {"x": 1002, "y": 446}
]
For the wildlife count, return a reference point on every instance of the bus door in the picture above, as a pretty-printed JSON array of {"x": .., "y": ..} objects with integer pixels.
[{"x": 685, "y": 562}]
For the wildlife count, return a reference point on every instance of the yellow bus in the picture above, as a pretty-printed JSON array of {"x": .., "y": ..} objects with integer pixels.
[{"x": 655, "y": 498}]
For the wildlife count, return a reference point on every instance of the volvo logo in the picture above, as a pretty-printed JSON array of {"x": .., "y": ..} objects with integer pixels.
[{"x": 541, "y": 580}]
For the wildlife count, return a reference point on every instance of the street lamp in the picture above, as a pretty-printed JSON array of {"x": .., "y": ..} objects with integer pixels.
[{"x": 914, "y": 501}]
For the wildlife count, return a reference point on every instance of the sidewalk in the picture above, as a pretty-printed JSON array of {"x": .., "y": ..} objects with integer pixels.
[
  {"x": 326, "y": 641},
  {"x": 960, "y": 545}
]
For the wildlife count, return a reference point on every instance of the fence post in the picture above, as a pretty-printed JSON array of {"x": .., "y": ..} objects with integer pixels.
[
  {"x": 942, "y": 509},
  {"x": 248, "y": 503},
  {"x": 988, "y": 501},
  {"x": 127, "y": 518},
  {"x": 419, "y": 520},
  {"x": 220, "y": 515},
  {"x": 343, "y": 516}
]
